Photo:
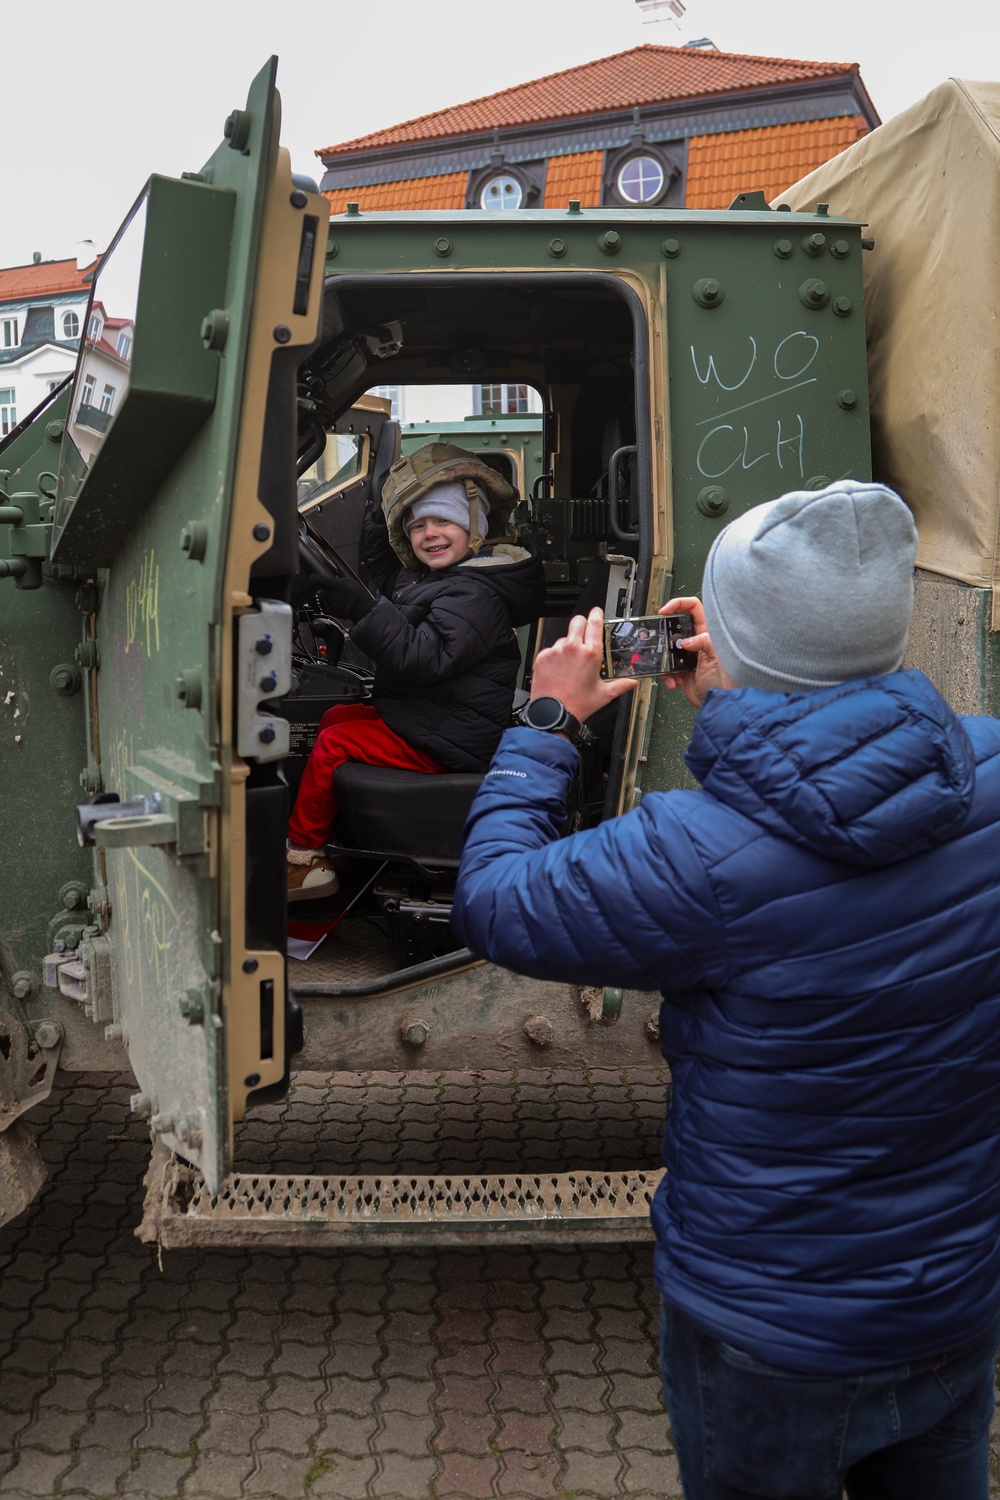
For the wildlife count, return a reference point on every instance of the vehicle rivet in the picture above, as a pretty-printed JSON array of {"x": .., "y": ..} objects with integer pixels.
[
  {"x": 261, "y": 532},
  {"x": 610, "y": 242},
  {"x": 712, "y": 500},
  {"x": 298, "y": 199},
  {"x": 868, "y": 242},
  {"x": 332, "y": 249},
  {"x": 66, "y": 679},
  {"x": 282, "y": 334},
  {"x": 87, "y": 655},
  {"x": 237, "y": 129},
  {"x": 842, "y": 306},
  {"x": 708, "y": 292},
  {"x": 188, "y": 686},
  {"x": 354, "y": 210},
  {"x": 443, "y": 246},
  {"x": 575, "y": 206},
  {"x": 48, "y": 1034},
  {"x": 73, "y": 895},
  {"x": 269, "y": 683},
  {"x": 556, "y": 248},
  {"x": 192, "y": 1007},
  {"x": 415, "y": 1033},
  {"x": 55, "y": 430},
  {"x": 215, "y": 329},
  {"x": 814, "y": 244},
  {"x": 264, "y": 646},
  {"x": 252, "y": 1080},
  {"x": 847, "y": 399},
  {"x": 814, "y": 293},
  {"x": 671, "y": 249},
  {"x": 22, "y": 985},
  {"x": 194, "y": 540},
  {"x": 267, "y": 735},
  {"x": 841, "y": 249},
  {"x": 250, "y": 966},
  {"x": 783, "y": 249},
  {"x": 162, "y": 1124}
]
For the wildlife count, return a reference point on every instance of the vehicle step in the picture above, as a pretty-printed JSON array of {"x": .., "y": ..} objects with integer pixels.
[{"x": 446, "y": 1209}]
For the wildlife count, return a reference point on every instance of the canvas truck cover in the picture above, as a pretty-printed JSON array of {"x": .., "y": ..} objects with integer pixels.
[{"x": 928, "y": 185}]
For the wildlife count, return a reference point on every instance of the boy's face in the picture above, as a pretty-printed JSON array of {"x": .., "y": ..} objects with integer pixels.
[{"x": 438, "y": 544}]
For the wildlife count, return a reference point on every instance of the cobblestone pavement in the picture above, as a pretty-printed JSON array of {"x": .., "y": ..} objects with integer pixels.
[
  {"x": 399, "y": 1376},
  {"x": 223, "y": 1374}
]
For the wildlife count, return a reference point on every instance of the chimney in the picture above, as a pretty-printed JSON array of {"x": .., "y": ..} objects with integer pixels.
[{"x": 36, "y": 258}]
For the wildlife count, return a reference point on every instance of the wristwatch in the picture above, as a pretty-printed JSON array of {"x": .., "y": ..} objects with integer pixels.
[{"x": 550, "y": 716}]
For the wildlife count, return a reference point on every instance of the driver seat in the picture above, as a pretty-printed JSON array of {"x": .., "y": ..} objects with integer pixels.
[{"x": 410, "y": 815}]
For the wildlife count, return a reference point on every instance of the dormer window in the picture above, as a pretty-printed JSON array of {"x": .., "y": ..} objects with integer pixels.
[
  {"x": 70, "y": 325},
  {"x": 124, "y": 345},
  {"x": 640, "y": 179},
  {"x": 501, "y": 192}
]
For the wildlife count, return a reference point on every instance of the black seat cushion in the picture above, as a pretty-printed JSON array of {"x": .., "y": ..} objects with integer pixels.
[{"x": 407, "y": 813}]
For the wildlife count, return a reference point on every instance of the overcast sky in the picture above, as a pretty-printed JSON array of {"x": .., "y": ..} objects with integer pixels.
[{"x": 97, "y": 97}]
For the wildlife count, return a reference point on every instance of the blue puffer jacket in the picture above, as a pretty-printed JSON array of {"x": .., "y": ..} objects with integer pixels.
[{"x": 823, "y": 919}]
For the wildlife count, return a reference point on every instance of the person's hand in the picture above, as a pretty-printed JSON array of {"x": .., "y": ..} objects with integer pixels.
[
  {"x": 570, "y": 670},
  {"x": 709, "y": 673},
  {"x": 345, "y": 598}
]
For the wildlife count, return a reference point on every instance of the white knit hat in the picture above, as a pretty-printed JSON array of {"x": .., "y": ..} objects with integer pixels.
[
  {"x": 812, "y": 589},
  {"x": 449, "y": 502}
]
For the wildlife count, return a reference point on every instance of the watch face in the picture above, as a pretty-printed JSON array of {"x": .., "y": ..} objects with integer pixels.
[{"x": 545, "y": 713}]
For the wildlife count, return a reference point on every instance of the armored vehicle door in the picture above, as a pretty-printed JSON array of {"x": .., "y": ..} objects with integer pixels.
[{"x": 173, "y": 526}]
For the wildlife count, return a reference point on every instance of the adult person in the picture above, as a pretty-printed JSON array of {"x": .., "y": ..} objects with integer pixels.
[
  {"x": 441, "y": 635},
  {"x": 821, "y": 918}
]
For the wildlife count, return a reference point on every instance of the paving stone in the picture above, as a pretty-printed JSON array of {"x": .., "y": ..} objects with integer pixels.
[
  {"x": 170, "y": 1430},
  {"x": 526, "y": 1475},
  {"x": 645, "y": 1394},
  {"x": 643, "y": 1430},
  {"x": 288, "y": 1433},
  {"x": 564, "y": 1357},
  {"x": 113, "y": 1429},
  {"x": 343, "y": 1478},
  {"x": 412, "y": 1360},
  {"x": 347, "y": 1396},
  {"x": 520, "y": 1393},
  {"x": 635, "y": 1357},
  {"x": 217, "y": 1476},
  {"x": 350, "y": 1436},
  {"x": 592, "y": 1431},
  {"x": 401, "y": 1475},
  {"x": 35, "y": 1473},
  {"x": 464, "y": 1475},
  {"x": 590, "y": 1473},
  {"x": 156, "y": 1473},
  {"x": 71, "y": 1392},
  {"x": 96, "y": 1471},
  {"x": 53, "y": 1429},
  {"x": 278, "y": 1474},
  {"x": 655, "y": 1472}
]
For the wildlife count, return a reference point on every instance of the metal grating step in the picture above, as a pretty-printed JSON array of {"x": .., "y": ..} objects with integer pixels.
[{"x": 573, "y": 1207}]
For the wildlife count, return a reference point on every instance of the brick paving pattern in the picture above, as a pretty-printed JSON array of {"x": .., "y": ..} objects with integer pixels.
[{"x": 450, "y": 1375}]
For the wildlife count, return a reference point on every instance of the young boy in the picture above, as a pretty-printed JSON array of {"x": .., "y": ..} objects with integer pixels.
[{"x": 441, "y": 636}]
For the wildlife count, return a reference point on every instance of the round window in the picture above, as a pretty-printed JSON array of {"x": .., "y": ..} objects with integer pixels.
[
  {"x": 71, "y": 325},
  {"x": 501, "y": 192},
  {"x": 640, "y": 179}
]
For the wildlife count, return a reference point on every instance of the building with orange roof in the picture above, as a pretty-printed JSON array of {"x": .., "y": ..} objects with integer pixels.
[
  {"x": 655, "y": 126},
  {"x": 671, "y": 127},
  {"x": 42, "y": 308}
]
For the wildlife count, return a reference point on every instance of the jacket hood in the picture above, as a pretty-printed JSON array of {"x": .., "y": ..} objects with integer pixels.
[
  {"x": 515, "y": 573},
  {"x": 867, "y": 772}
]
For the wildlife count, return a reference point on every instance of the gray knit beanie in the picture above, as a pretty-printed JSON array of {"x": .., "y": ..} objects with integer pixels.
[{"x": 812, "y": 589}]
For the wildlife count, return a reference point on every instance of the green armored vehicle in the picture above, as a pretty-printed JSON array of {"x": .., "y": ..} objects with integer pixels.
[{"x": 162, "y": 677}]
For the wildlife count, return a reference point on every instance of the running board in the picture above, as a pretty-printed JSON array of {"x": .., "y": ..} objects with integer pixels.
[{"x": 446, "y": 1210}]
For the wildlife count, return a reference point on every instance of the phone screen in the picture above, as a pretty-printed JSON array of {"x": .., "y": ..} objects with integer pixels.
[{"x": 646, "y": 646}]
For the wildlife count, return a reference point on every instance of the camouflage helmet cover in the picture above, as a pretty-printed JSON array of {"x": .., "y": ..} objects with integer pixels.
[{"x": 441, "y": 463}]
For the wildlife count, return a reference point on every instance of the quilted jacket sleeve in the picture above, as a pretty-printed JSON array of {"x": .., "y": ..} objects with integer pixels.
[
  {"x": 628, "y": 903},
  {"x": 450, "y": 639}
]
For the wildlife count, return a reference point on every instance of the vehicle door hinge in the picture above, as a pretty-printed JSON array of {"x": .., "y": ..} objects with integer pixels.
[
  {"x": 263, "y": 674},
  {"x": 83, "y": 974}
]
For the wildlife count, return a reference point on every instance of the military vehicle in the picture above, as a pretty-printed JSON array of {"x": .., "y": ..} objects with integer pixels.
[{"x": 162, "y": 674}]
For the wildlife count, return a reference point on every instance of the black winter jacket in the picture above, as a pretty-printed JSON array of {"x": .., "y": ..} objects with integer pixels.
[{"x": 446, "y": 657}]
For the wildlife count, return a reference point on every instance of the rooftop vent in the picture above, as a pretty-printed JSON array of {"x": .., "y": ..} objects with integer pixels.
[{"x": 705, "y": 43}]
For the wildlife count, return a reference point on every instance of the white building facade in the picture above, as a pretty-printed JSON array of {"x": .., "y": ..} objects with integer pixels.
[{"x": 42, "y": 311}]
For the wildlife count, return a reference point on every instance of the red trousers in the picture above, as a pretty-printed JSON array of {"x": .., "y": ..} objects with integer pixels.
[{"x": 351, "y": 731}]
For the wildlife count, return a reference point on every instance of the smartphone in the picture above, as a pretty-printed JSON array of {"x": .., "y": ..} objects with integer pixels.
[{"x": 646, "y": 646}]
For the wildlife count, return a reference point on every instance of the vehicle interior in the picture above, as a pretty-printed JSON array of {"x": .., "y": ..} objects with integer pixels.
[{"x": 580, "y": 341}]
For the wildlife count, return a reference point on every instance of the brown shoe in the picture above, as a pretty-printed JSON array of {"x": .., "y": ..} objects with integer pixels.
[{"x": 310, "y": 875}]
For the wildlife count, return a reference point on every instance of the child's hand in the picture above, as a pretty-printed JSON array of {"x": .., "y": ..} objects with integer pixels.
[
  {"x": 570, "y": 670},
  {"x": 346, "y": 599}
]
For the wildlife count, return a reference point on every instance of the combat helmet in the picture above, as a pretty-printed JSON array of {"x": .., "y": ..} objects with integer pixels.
[{"x": 440, "y": 463}]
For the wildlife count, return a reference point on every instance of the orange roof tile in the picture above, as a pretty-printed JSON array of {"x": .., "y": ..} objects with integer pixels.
[
  {"x": 47, "y": 278},
  {"x": 576, "y": 176},
  {"x": 447, "y": 191},
  {"x": 771, "y": 159},
  {"x": 643, "y": 75}
]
